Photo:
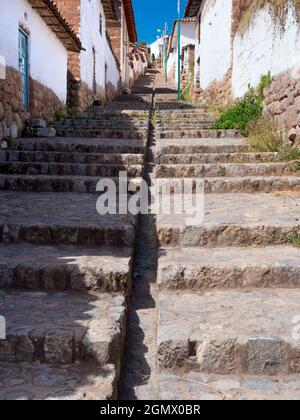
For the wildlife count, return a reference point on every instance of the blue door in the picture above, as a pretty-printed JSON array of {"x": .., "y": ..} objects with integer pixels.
[{"x": 23, "y": 67}]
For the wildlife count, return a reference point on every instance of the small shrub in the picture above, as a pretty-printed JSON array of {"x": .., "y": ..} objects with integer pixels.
[
  {"x": 293, "y": 238},
  {"x": 245, "y": 111},
  {"x": 263, "y": 136},
  {"x": 289, "y": 153},
  {"x": 241, "y": 114},
  {"x": 186, "y": 94},
  {"x": 64, "y": 113}
]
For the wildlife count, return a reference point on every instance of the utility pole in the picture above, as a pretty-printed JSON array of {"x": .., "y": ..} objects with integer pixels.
[
  {"x": 179, "y": 52},
  {"x": 166, "y": 52}
]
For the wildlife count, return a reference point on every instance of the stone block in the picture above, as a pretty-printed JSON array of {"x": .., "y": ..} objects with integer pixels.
[
  {"x": 36, "y": 123},
  {"x": 13, "y": 130},
  {"x": 46, "y": 132}
]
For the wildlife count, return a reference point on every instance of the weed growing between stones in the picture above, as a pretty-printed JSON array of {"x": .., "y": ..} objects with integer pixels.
[
  {"x": 186, "y": 94},
  {"x": 245, "y": 111},
  {"x": 288, "y": 153},
  {"x": 293, "y": 238},
  {"x": 65, "y": 113},
  {"x": 263, "y": 136}
]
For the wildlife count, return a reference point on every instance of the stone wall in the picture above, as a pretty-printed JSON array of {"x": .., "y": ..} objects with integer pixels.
[
  {"x": 43, "y": 103},
  {"x": 260, "y": 43},
  {"x": 12, "y": 115},
  {"x": 283, "y": 101},
  {"x": 219, "y": 91}
]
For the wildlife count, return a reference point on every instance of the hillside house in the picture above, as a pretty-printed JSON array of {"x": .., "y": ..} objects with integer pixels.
[
  {"x": 93, "y": 74},
  {"x": 238, "y": 41},
  {"x": 34, "y": 43},
  {"x": 187, "y": 42}
]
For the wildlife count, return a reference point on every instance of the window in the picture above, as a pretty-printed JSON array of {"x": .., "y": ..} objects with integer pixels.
[{"x": 101, "y": 24}]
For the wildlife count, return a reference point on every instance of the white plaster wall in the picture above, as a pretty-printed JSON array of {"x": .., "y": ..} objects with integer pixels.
[
  {"x": 47, "y": 55},
  {"x": 187, "y": 37},
  {"x": 215, "y": 48},
  {"x": 264, "y": 47},
  {"x": 156, "y": 47},
  {"x": 91, "y": 37}
]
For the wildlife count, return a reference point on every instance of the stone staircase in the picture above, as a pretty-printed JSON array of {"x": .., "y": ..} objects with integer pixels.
[
  {"x": 228, "y": 287},
  {"x": 66, "y": 271}
]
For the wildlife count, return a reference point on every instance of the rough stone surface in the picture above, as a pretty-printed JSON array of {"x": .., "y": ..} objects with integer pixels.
[
  {"x": 230, "y": 331},
  {"x": 65, "y": 267},
  {"x": 78, "y": 223},
  {"x": 235, "y": 220},
  {"x": 222, "y": 268},
  {"x": 25, "y": 381},
  {"x": 194, "y": 386},
  {"x": 62, "y": 327}
]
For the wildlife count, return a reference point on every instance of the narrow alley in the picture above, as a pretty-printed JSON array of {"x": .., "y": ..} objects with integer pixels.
[{"x": 193, "y": 296}]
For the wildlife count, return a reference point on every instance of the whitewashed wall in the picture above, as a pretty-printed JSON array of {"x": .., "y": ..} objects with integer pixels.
[
  {"x": 47, "y": 55},
  {"x": 187, "y": 37},
  {"x": 91, "y": 38},
  {"x": 215, "y": 48},
  {"x": 264, "y": 47},
  {"x": 156, "y": 47}
]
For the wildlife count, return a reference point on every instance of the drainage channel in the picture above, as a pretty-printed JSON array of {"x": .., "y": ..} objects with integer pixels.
[{"x": 140, "y": 378}]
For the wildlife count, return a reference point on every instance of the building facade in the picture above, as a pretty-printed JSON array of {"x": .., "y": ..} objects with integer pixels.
[
  {"x": 34, "y": 43},
  {"x": 123, "y": 35},
  {"x": 93, "y": 74},
  {"x": 187, "y": 40},
  {"x": 238, "y": 41}
]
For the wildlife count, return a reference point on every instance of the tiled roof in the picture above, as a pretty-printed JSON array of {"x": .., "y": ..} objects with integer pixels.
[
  {"x": 192, "y": 7},
  {"x": 49, "y": 12},
  {"x": 129, "y": 14}
]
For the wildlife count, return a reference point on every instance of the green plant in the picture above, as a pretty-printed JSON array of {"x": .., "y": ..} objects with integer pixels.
[
  {"x": 264, "y": 136},
  {"x": 288, "y": 153},
  {"x": 64, "y": 113},
  {"x": 239, "y": 115},
  {"x": 246, "y": 110},
  {"x": 111, "y": 114},
  {"x": 293, "y": 238},
  {"x": 154, "y": 118},
  {"x": 186, "y": 94},
  {"x": 143, "y": 116}
]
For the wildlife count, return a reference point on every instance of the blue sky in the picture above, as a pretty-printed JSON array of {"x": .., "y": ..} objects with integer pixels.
[{"x": 151, "y": 15}]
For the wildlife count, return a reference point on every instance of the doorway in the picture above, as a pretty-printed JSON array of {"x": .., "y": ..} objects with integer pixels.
[{"x": 23, "y": 67}]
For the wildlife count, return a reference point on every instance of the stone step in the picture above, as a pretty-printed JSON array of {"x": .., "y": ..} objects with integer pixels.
[
  {"x": 53, "y": 168},
  {"x": 200, "y": 146},
  {"x": 58, "y": 218},
  {"x": 125, "y": 106},
  {"x": 229, "y": 268},
  {"x": 69, "y": 157},
  {"x": 233, "y": 220},
  {"x": 197, "y": 386},
  {"x": 35, "y": 381},
  {"x": 226, "y": 170},
  {"x": 105, "y": 269},
  {"x": 102, "y": 125},
  {"x": 176, "y": 126},
  {"x": 230, "y": 332},
  {"x": 198, "y": 134},
  {"x": 183, "y": 113},
  {"x": 57, "y": 184},
  {"x": 102, "y": 134},
  {"x": 202, "y": 119},
  {"x": 249, "y": 185},
  {"x": 62, "y": 327},
  {"x": 80, "y": 145},
  {"x": 206, "y": 158}
]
